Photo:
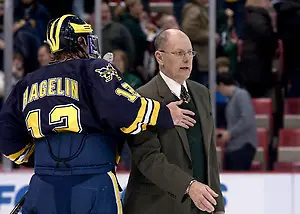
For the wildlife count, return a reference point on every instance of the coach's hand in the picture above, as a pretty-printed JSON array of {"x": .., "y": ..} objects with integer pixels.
[
  {"x": 180, "y": 116},
  {"x": 203, "y": 196}
]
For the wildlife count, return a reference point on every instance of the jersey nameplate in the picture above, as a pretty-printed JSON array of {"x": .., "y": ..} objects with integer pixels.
[{"x": 56, "y": 86}]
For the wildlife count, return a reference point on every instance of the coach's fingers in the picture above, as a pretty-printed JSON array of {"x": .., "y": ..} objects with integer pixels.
[
  {"x": 188, "y": 123},
  {"x": 201, "y": 206},
  {"x": 213, "y": 193},
  {"x": 187, "y": 112},
  {"x": 188, "y": 118},
  {"x": 206, "y": 203},
  {"x": 183, "y": 124},
  {"x": 209, "y": 197}
]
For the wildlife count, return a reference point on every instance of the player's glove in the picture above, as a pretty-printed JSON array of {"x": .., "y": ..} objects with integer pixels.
[{"x": 108, "y": 57}]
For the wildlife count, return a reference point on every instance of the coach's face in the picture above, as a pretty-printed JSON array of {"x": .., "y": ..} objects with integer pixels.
[{"x": 176, "y": 58}]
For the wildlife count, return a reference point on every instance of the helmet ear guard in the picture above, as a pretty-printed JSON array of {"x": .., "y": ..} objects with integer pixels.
[{"x": 93, "y": 46}]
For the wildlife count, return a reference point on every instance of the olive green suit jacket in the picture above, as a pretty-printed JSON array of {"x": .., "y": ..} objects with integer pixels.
[{"x": 161, "y": 168}]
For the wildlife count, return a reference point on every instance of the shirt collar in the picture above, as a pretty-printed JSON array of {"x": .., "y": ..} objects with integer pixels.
[{"x": 174, "y": 86}]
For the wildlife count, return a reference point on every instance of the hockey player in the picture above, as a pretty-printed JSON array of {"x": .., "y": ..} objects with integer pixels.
[{"x": 74, "y": 113}]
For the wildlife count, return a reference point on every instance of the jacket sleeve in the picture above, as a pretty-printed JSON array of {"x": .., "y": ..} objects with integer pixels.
[
  {"x": 121, "y": 106},
  {"x": 215, "y": 174},
  {"x": 15, "y": 142}
]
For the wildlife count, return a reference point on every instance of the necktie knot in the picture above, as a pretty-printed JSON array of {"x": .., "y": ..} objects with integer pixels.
[{"x": 184, "y": 95}]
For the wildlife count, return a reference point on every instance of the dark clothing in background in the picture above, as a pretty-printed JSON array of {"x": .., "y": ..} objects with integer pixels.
[
  {"x": 26, "y": 42},
  {"x": 138, "y": 35},
  {"x": 288, "y": 26},
  {"x": 240, "y": 159},
  {"x": 238, "y": 8},
  {"x": 38, "y": 13},
  {"x": 258, "y": 49},
  {"x": 58, "y": 8},
  {"x": 116, "y": 36}
]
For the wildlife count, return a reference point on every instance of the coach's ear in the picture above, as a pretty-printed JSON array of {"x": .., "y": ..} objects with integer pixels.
[
  {"x": 159, "y": 57},
  {"x": 108, "y": 57}
]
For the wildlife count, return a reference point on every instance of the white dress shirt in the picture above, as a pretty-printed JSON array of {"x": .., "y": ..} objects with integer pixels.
[{"x": 174, "y": 86}]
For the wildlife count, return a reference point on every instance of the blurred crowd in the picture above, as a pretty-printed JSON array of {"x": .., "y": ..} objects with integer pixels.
[{"x": 247, "y": 39}]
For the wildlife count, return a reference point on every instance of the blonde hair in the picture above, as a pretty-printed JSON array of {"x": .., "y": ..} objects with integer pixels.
[
  {"x": 229, "y": 12},
  {"x": 119, "y": 11},
  {"x": 130, "y": 3},
  {"x": 123, "y": 7},
  {"x": 222, "y": 62},
  {"x": 256, "y": 3}
]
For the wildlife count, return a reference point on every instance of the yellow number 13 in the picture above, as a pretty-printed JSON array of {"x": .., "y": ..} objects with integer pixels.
[{"x": 65, "y": 117}]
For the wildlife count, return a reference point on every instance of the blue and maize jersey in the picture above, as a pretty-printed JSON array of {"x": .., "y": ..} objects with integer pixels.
[{"x": 81, "y": 96}]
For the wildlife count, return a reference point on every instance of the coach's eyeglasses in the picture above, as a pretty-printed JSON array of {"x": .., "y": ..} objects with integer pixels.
[{"x": 190, "y": 53}]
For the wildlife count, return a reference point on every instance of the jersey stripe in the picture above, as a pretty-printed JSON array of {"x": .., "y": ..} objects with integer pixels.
[{"x": 138, "y": 119}]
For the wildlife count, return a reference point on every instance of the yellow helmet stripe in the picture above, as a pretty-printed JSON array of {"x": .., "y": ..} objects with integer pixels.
[
  {"x": 57, "y": 31},
  {"x": 50, "y": 38},
  {"x": 81, "y": 28}
]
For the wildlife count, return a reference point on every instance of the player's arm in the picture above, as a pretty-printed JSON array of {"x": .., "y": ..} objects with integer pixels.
[
  {"x": 123, "y": 107},
  {"x": 15, "y": 143}
]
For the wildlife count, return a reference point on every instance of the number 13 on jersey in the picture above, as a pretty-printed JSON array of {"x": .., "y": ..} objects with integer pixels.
[{"x": 64, "y": 118}]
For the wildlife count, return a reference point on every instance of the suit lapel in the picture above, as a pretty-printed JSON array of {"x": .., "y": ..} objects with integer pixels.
[
  {"x": 167, "y": 97},
  {"x": 200, "y": 105}
]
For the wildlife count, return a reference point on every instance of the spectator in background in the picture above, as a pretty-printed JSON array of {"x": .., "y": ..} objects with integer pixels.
[
  {"x": 78, "y": 8},
  {"x": 121, "y": 62},
  {"x": 240, "y": 137},
  {"x": 258, "y": 50},
  {"x": 148, "y": 27},
  {"x": 31, "y": 9},
  {"x": 195, "y": 25},
  {"x": 228, "y": 45},
  {"x": 44, "y": 55},
  {"x": 130, "y": 17},
  {"x": 178, "y": 6},
  {"x": 26, "y": 42},
  {"x": 116, "y": 36},
  {"x": 58, "y": 8},
  {"x": 288, "y": 27},
  {"x": 222, "y": 66},
  {"x": 238, "y": 8},
  {"x": 168, "y": 22},
  {"x": 151, "y": 30},
  {"x": 18, "y": 70}
]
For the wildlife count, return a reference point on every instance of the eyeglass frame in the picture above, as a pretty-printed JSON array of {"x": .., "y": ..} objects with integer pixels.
[{"x": 177, "y": 54}]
